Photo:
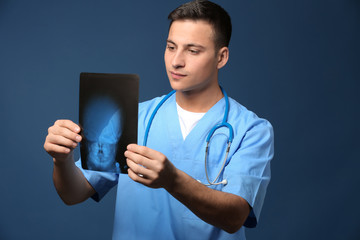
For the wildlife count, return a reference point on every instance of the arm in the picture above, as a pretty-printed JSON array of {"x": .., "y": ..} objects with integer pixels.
[
  {"x": 70, "y": 183},
  {"x": 224, "y": 210},
  {"x": 151, "y": 168}
]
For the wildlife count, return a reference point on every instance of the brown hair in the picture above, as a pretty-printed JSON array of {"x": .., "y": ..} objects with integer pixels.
[{"x": 207, "y": 11}]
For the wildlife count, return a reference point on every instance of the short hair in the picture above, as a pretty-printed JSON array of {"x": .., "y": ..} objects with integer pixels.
[{"x": 209, "y": 12}]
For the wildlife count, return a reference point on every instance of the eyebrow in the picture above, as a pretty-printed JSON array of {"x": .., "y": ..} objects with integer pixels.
[{"x": 188, "y": 45}]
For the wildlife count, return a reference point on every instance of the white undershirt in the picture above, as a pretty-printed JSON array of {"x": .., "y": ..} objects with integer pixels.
[{"x": 188, "y": 120}]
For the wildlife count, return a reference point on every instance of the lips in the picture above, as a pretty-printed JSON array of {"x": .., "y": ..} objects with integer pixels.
[{"x": 177, "y": 75}]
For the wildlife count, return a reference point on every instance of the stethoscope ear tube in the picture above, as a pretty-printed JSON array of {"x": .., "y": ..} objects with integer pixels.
[
  {"x": 230, "y": 139},
  {"x": 222, "y": 167},
  {"x": 153, "y": 115},
  {"x": 227, "y": 125}
]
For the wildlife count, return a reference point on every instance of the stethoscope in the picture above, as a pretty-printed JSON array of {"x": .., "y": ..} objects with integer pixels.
[{"x": 224, "y": 123}]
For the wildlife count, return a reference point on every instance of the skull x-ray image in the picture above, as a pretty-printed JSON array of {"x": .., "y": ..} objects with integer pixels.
[
  {"x": 108, "y": 118},
  {"x": 103, "y": 125}
]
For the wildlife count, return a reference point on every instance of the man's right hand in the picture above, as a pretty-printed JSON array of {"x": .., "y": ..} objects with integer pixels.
[
  {"x": 63, "y": 137},
  {"x": 69, "y": 181}
]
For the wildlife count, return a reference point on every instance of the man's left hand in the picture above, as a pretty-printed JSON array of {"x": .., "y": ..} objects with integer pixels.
[{"x": 149, "y": 167}]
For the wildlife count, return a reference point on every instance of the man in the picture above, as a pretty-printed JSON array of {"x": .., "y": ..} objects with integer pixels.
[{"x": 163, "y": 195}]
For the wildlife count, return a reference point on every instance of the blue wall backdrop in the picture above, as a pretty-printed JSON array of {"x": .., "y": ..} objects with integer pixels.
[{"x": 295, "y": 63}]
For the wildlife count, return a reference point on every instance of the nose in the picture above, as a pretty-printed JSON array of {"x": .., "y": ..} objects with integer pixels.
[{"x": 178, "y": 60}]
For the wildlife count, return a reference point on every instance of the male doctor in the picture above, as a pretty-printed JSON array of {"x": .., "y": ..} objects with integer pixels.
[{"x": 164, "y": 195}]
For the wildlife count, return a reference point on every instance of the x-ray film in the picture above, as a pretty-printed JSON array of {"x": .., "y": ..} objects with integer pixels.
[{"x": 108, "y": 116}]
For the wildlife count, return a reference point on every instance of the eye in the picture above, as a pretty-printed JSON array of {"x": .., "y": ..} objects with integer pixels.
[
  {"x": 194, "y": 51},
  {"x": 170, "y": 47}
]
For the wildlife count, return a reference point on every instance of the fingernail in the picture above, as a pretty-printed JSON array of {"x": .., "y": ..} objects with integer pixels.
[{"x": 78, "y": 138}]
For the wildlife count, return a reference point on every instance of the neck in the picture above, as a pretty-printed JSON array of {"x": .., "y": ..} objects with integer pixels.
[{"x": 199, "y": 101}]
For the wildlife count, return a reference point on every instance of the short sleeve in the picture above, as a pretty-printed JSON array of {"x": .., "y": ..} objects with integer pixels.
[
  {"x": 248, "y": 171},
  {"x": 102, "y": 182}
]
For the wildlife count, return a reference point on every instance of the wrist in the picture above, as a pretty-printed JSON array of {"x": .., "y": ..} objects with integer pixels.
[
  {"x": 176, "y": 182},
  {"x": 60, "y": 162}
]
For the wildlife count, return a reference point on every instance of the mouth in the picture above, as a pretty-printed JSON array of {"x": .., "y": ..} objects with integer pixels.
[{"x": 177, "y": 75}]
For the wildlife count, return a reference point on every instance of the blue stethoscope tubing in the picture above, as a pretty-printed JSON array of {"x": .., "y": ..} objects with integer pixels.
[{"x": 224, "y": 123}]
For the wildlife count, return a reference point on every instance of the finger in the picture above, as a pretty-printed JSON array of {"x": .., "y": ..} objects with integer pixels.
[
  {"x": 139, "y": 159},
  {"x": 61, "y": 141},
  {"x": 55, "y": 150},
  {"x": 140, "y": 170},
  {"x": 65, "y": 132},
  {"x": 68, "y": 124},
  {"x": 144, "y": 151},
  {"x": 135, "y": 177}
]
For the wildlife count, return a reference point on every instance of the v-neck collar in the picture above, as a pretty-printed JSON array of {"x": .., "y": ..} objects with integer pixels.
[{"x": 211, "y": 118}]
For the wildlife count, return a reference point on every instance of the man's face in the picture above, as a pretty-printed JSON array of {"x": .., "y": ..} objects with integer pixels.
[{"x": 190, "y": 58}]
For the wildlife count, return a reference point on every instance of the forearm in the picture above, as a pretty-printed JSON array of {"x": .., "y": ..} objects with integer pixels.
[
  {"x": 70, "y": 182},
  {"x": 224, "y": 210}
]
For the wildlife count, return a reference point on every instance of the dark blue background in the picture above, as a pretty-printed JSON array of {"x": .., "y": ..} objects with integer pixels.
[{"x": 295, "y": 63}]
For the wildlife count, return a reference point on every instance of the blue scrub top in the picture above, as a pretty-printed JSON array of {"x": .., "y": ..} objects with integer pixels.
[{"x": 146, "y": 213}]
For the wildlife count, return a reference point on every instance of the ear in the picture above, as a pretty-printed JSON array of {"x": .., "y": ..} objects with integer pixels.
[{"x": 223, "y": 57}]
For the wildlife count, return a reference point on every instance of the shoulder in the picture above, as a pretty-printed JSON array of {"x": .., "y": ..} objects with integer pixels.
[
  {"x": 244, "y": 120},
  {"x": 238, "y": 112},
  {"x": 149, "y": 104}
]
